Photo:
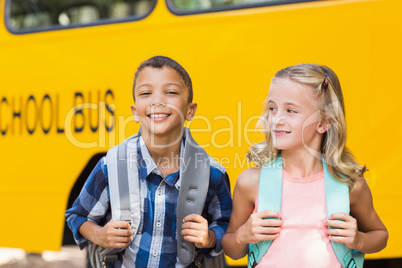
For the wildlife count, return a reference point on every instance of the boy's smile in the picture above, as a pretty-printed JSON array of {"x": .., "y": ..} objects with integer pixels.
[
  {"x": 158, "y": 113},
  {"x": 155, "y": 116},
  {"x": 161, "y": 103}
]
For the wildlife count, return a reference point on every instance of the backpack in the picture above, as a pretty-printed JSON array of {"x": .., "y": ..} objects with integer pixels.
[
  {"x": 124, "y": 187},
  {"x": 270, "y": 198}
]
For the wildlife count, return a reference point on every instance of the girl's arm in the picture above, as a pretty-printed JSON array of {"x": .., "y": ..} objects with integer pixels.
[
  {"x": 244, "y": 226},
  {"x": 363, "y": 230}
]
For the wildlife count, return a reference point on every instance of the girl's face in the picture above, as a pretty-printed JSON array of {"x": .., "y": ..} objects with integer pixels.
[{"x": 294, "y": 116}]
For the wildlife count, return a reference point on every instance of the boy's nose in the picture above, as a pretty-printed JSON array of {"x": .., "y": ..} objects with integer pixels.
[
  {"x": 158, "y": 101},
  {"x": 157, "y": 104}
]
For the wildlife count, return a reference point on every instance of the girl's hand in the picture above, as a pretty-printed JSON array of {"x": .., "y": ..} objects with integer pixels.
[
  {"x": 258, "y": 228},
  {"x": 195, "y": 229},
  {"x": 115, "y": 234},
  {"x": 345, "y": 230}
]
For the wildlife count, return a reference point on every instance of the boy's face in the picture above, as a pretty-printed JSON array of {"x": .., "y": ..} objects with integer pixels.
[{"x": 161, "y": 102}]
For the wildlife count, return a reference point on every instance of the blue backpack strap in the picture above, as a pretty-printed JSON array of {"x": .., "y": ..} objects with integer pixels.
[
  {"x": 337, "y": 200},
  {"x": 269, "y": 198}
]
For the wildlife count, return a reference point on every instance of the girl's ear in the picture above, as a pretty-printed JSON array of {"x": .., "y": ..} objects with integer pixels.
[
  {"x": 135, "y": 114},
  {"x": 323, "y": 126},
  {"x": 192, "y": 108}
]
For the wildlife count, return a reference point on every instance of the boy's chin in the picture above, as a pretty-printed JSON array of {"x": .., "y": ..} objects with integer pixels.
[{"x": 163, "y": 132}]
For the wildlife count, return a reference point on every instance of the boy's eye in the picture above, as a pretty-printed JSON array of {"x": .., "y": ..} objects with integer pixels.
[
  {"x": 272, "y": 109},
  {"x": 144, "y": 93},
  {"x": 291, "y": 111},
  {"x": 171, "y": 92}
]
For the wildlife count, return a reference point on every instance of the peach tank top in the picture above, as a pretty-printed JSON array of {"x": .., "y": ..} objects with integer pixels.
[{"x": 302, "y": 242}]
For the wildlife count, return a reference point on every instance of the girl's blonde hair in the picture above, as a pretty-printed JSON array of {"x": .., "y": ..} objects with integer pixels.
[{"x": 323, "y": 81}]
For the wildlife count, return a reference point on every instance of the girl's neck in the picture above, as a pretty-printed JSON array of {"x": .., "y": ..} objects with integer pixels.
[{"x": 301, "y": 164}]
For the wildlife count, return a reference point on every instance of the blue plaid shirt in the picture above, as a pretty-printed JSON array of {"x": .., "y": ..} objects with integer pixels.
[{"x": 155, "y": 243}]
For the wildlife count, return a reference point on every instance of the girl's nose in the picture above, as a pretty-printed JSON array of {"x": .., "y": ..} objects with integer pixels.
[{"x": 279, "y": 119}]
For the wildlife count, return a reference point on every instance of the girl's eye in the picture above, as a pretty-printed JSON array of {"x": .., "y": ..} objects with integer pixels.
[
  {"x": 291, "y": 111},
  {"x": 144, "y": 93},
  {"x": 170, "y": 92},
  {"x": 272, "y": 109}
]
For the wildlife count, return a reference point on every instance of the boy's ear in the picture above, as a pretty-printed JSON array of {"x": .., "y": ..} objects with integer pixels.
[
  {"x": 135, "y": 114},
  {"x": 192, "y": 108},
  {"x": 323, "y": 126}
]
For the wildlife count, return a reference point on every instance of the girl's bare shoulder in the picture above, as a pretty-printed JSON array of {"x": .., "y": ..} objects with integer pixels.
[
  {"x": 248, "y": 182},
  {"x": 250, "y": 175},
  {"x": 360, "y": 190}
]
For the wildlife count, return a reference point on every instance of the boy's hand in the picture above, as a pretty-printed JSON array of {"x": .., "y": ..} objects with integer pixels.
[
  {"x": 257, "y": 228},
  {"x": 345, "y": 230},
  {"x": 195, "y": 229},
  {"x": 115, "y": 234}
]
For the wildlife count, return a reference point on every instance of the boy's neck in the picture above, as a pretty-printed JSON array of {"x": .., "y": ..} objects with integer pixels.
[
  {"x": 165, "y": 152},
  {"x": 301, "y": 164}
]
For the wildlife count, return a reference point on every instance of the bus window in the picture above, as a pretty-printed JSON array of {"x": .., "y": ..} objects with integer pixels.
[
  {"x": 199, "y": 6},
  {"x": 37, "y": 15}
]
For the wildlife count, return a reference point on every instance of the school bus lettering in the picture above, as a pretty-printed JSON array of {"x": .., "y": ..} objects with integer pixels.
[
  {"x": 79, "y": 114},
  {"x": 110, "y": 111},
  {"x": 3, "y": 129},
  {"x": 60, "y": 129},
  {"x": 46, "y": 99},
  {"x": 32, "y": 114}
]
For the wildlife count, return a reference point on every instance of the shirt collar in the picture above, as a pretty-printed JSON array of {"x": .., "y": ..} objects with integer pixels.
[{"x": 146, "y": 164}]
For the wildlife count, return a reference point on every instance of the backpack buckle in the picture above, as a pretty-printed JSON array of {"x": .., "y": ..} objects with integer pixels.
[
  {"x": 109, "y": 259},
  {"x": 128, "y": 220},
  {"x": 197, "y": 264},
  {"x": 252, "y": 260},
  {"x": 351, "y": 264}
]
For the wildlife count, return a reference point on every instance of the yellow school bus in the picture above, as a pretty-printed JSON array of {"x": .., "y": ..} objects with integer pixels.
[{"x": 66, "y": 73}]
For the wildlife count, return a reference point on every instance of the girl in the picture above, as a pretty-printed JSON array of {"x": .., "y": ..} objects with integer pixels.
[{"x": 304, "y": 123}]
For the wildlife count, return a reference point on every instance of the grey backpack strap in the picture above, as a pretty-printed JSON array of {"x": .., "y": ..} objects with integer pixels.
[
  {"x": 134, "y": 185},
  {"x": 194, "y": 174},
  {"x": 113, "y": 183},
  {"x": 124, "y": 183},
  {"x": 101, "y": 257},
  {"x": 118, "y": 182},
  {"x": 124, "y": 192}
]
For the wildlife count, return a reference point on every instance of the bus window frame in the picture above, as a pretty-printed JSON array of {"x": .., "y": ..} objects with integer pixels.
[
  {"x": 173, "y": 9},
  {"x": 7, "y": 19}
]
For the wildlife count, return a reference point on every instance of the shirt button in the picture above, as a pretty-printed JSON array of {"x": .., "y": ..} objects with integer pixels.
[
  {"x": 159, "y": 192},
  {"x": 155, "y": 253},
  {"x": 158, "y": 224}
]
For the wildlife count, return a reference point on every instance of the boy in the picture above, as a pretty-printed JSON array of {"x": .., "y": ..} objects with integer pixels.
[{"x": 162, "y": 93}]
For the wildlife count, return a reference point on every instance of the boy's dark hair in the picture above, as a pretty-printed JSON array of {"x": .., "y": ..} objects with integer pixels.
[{"x": 160, "y": 62}]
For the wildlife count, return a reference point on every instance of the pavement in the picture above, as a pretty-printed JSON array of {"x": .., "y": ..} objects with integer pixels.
[{"x": 67, "y": 257}]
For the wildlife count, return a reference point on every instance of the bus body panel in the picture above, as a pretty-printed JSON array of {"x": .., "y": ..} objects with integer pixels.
[{"x": 65, "y": 96}]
